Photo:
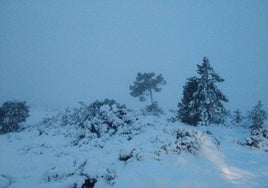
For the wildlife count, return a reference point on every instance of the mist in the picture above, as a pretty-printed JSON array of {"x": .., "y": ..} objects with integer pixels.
[{"x": 57, "y": 53}]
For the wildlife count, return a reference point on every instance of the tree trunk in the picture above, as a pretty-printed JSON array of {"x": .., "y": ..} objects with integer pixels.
[{"x": 151, "y": 96}]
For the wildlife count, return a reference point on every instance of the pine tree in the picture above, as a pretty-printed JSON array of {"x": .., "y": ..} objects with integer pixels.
[
  {"x": 188, "y": 108},
  {"x": 145, "y": 84},
  {"x": 258, "y": 116},
  {"x": 202, "y": 100},
  {"x": 237, "y": 118}
]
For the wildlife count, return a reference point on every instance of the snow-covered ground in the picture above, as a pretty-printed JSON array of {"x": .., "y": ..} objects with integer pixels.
[{"x": 158, "y": 153}]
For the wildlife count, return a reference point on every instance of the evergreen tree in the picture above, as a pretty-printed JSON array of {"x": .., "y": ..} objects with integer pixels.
[
  {"x": 237, "y": 118},
  {"x": 258, "y": 116},
  {"x": 202, "y": 100},
  {"x": 12, "y": 113},
  {"x": 145, "y": 84},
  {"x": 188, "y": 108}
]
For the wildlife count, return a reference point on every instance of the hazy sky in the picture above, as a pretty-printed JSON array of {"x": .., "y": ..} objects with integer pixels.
[{"x": 62, "y": 52}]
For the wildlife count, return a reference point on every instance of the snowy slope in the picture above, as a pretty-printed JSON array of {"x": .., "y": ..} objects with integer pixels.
[{"x": 154, "y": 156}]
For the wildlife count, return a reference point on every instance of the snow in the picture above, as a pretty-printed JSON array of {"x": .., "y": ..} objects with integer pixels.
[{"x": 156, "y": 156}]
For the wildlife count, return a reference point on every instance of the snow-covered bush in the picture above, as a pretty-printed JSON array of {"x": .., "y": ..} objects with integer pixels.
[
  {"x": 12, "y": 114},
  {"x": 129, "y": 132},
  {"x": 83, "y": 113},
  {"x": 127, "y": 154},
  {"x": 153, "y": 109},
  {"x": 89, "y": 183},
  {"x": 99, "y": 118},
  {"x": 110, "y": 176},
  {"x": 108, "y": 118},
  {"x": 258, "y": 139},
  {"x": 187, "y": 141},
  {"x": 179, "y": 141},
  {"x": 259, "y": 133},
  {"x": 50, "y": 120},
  {"x": 107, "y": 175},
  {"x": 173, "y": 117}
]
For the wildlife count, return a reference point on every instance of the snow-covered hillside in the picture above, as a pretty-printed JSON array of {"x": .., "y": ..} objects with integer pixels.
[{"x": 154, "y": 151}]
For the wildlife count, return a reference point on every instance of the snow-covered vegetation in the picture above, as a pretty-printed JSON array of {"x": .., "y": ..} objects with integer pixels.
[
  {"x": 12, "y": 114},
  {"x": 128, "y": 149}
]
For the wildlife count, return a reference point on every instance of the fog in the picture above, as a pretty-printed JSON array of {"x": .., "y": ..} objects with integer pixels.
[{"x": 56, "y": 53}]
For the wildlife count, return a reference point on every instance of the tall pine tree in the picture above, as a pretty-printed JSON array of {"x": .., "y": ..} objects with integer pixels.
[
  {"x": 145, "y": 85},
  {"x": 202, "y": 100}
]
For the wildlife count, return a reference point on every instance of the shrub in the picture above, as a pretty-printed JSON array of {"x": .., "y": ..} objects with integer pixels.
[
  {"x": 130, "y": 153},
  {"x": 187, "y": 141},
  {"x": 12, "y": 114},
  {"x": 89, "y": 183},
  {"x": 153, "y": 109},
  {"x": 181, "y": 141},
  {"x": 100, "y": 117},
  {"x": 258, "y": 139}
]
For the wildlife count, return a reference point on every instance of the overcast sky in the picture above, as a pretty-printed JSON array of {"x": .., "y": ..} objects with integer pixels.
[{"x": 61, "y": 52}]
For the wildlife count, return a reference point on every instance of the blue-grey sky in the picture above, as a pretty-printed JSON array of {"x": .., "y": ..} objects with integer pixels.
[{"x": 62, "y": 52}]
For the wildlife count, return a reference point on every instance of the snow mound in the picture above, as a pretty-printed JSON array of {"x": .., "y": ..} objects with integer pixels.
[{"x": 233, "y": 174}]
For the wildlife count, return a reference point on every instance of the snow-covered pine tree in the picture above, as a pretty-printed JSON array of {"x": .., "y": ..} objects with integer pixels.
[
  {"x": 237, "y": 117},
  {"x": 211, "y": 109},
  {"x": 189, "y": 106},
  {"x": 202, "y": 100},
  {"x": 258, "y": 116}
]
